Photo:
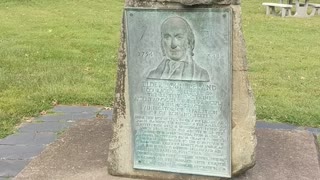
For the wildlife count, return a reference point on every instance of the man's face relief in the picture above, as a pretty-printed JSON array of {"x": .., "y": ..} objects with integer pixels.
[{"x": 174, "y": 39}]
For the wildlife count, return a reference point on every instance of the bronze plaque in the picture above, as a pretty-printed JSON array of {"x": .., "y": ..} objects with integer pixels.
[{"x": 180, "y": 83}]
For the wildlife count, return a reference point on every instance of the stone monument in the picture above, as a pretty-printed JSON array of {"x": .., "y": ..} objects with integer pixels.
[{"x": 183, "y": 106}]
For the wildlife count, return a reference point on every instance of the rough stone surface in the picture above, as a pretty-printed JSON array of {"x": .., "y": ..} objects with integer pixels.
[
  {"x": 243, "y": 112},
  {"x": 243, "y": 109},
  {"x": 281, "y": 155}
]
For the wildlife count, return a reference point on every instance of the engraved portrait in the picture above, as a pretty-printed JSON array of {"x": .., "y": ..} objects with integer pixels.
[
  {"x": 179, "y": 75},
  {"x": 177, "y": 45}
]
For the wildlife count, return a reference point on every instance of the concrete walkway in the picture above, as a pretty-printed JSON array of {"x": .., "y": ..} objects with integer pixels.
[
  {"x": 17, "y": 150},
  {"x": 81, "y": 136}
]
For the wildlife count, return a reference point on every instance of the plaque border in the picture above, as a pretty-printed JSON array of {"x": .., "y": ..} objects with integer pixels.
[{"x": 185, "y": 9}]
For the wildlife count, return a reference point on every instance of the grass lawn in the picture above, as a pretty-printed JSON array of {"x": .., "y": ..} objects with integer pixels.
[
  {"x": 65, "y": 51},
  {"x": 284, "y": 61},
  {"x": 61, "y": 51}
]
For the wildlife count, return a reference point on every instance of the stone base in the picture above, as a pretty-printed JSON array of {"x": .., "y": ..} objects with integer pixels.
[{"x": 243, "y": 114}]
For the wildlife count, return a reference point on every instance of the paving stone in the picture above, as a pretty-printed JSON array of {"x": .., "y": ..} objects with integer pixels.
[
  {"x": 54, "y": 117},
  {"x": 15, "y": 152},
  {"x": 282, "y": 126},
  {"x": 52, "y": 126},
  {"x": 11, "y": 167},
  {"x": 312, "y": 130},
  {"x": 76, "y": 109},
  {"x": 5, "y": 178},
  {"x": 267, "y": 125},
  {"x": 66, "y": 117},
  {"x": 45, "y": 138},
  {"x": 106, "y": 113},
  {"x": 41, "y": 138}
]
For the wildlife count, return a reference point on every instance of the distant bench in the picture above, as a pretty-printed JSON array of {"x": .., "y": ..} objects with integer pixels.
[
  {"x": 285, "y": 9},
  {"x": 315, "y": 9}
]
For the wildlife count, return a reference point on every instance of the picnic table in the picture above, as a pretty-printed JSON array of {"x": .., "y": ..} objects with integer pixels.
[
  {"x": 271, "y": 9},
  {"x": 289, "y": 2},
  {"x": 301, "y": 8}
]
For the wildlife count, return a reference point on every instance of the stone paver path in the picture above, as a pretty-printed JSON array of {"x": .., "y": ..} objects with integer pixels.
[{"x": 17, "y": 150}]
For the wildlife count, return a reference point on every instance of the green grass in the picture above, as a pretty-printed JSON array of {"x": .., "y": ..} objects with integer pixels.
[
  {"x": 65, "y": 51},
  {"x": 62, "y": 50},
  {"x": 284, "y": 63}
]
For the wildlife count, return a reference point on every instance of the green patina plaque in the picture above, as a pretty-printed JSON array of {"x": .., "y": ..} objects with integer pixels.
[{"x": 180, "y": 83}]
